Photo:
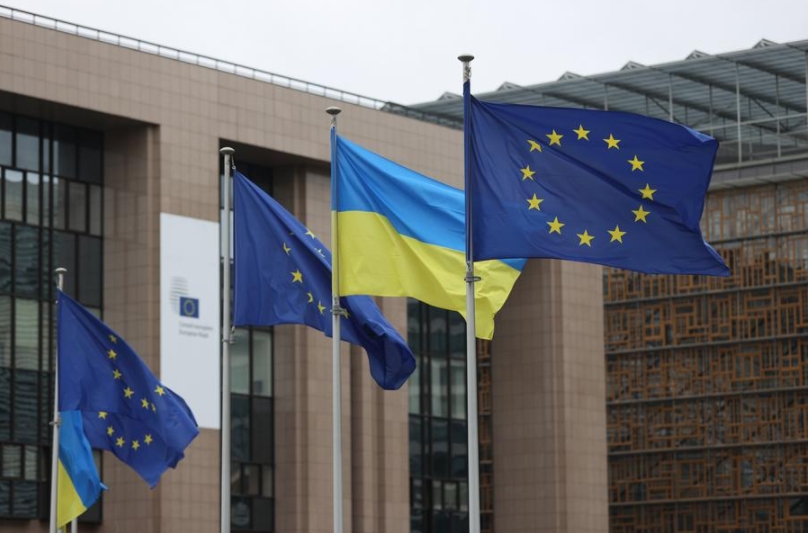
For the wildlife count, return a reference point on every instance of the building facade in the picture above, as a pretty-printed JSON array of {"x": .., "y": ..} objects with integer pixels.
[{"x": 109, "y": 150}]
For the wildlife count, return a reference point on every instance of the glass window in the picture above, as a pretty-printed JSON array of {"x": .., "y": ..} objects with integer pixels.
[
  {"x": 240, "y": 428},
  {"x": 263, "y": 514},
  {"x": 437, "y": 330},
  {"x": 240, "y": 513},
  {"x": 26, "y": 399},
  {"x": 252, "y": 480},
  {"x": 5, "y": 498},
  {"x": 262, "y": 363},
  {"x": 267, "y": 481},
  {"x": 413, "y": 324},
  {"x": 450, "y": 496},
  {"x": 90, "y": 156},
  {"x": 240, "y": 363},
  {"x": 89, "y": 271},
  {"x": 45, "y": 209},
  {"x": 26, "y": 249},
  {"x": 5, "y": 331},
  {"x": 5, "y": 139},
  {"x": 458, "y": 388},
  {"x": 12, "y": 461},
  {"x": 235, "y": 478},
  {"x": 27, "y": 144},
  {"x": 77, "y": 206},
  {"x": 457, "y": 336},
  {"x": 26, "y": 342},
  {"x": 32, "y": 198},
  {"x": 460, "y": 458},
  {"x": 24, "y": 499},
  {"x": 416, "y": 440},
  {"x": 437, "y": 495},
  {"x": 13, "y": 198},
  {"x": 5, "y": 256},
  {"x": 64, "y": 255},
  {"x": 59, "y": 203},
  {"x": 95, "y": 210},
  {"x": 439, "y": 388},
  {"x": 64, "y": 151},
  {"x": 415, "y": 388},
  {"x": 5, "y": 403},
  {"x": 262, "y": 430},
  {"x": 440, "y": 448},
  {"x": 30, "y": 472}
]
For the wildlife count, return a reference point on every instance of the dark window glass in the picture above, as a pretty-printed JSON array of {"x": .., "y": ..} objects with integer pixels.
[
  {"x": 417, "y": 522},
  {"x": 90, "y": 157},
  {"x": 460, "y": 459},
  {"x": 25, "y": 499},
  {"x": 45, "y": 411},
  {"x": 46, "y": 160},
  {"x": 30, "y": 464},
  {"x": 26, "y": 248},
  {"x": 267, "y": 481},
  {"x": 13, "y": 194},
  {"x": 64, "y": 255},
  {"x": 415, "y": 387},
  {"x": 437, "y": 330},
  {"x": 458, "y": 388},
  {"x": 64, "y": 151},
  {"x": 5, "y": 256},
  {"x": 5, "y": 491},
  {"x": 240, "y": 512},
  {"x": 26, "y": 340},
  {"x": 45, "y": 206},
  {"x": 95, "y": 210},
  {"x": 240, "y": 363},
  {"x": 440, "y": 448},
  {"x": 32, "y": 198},
  {"x": 25, "y": 406},
  {"x": 77, "y": 206},
  {"x": 457, "y": 336},
  {"x": 414, "y": 325},
  {"x": 5, "y": 139},
  {"x": 59, "y": 203},
  {"x": 440, "y": 386},
  {"x": 263, "y": 516},
  {"x": 252, "y": 480},
  {"x": 262, "y": 430},
  {"x": 5, "y": 403},
  {"x": 12, "y": 461},
  {"x": 416, "y": 460},
  {"x": 27, "y": 144},
  {"x": 262, "y": 363},
  {"x": 240, "y": 421},
  {"x": 89, "y": 271},
  {"x": 440, "y": 522}
]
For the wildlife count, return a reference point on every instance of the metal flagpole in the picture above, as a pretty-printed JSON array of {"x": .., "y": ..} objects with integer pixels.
[
  {"x": 74, "y": 525},
  {"x": 336, "y": 313},
  {"x": 471, "y": 337},
  {"x": 60, "y": 278},
  {"x": 226, "y": 340}
]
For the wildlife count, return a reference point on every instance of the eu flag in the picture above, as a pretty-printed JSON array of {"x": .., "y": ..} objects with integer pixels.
[
  {"x": 283, "y": 276},
  {"x": 603, "y": 187},
  {"x": 125, "y": 408}
]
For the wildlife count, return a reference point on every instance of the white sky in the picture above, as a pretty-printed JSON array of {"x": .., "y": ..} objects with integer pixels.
[{"x": 405, "y": 51}]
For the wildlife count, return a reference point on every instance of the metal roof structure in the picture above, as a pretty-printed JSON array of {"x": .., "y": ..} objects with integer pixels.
[{"x": 755, "y": 102}]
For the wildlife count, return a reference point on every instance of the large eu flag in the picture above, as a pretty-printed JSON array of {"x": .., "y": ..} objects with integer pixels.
[
  {"x": 283, "y": 276},
  {"x": 604, "y": 187},
  {"x": 125, "y": 409}
]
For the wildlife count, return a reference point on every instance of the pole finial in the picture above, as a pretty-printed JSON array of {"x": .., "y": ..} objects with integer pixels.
[
  {"x": 60, "y": 270},
  {"x": 333, "y": 111},
  {"x": 466, "y": 58},
  {"x": 227, "y": 151}
]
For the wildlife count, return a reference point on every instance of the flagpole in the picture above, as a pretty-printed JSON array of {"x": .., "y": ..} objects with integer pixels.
[
  {"x": 60, "y": 278},
  {"x": 226, "y": 340},
  {"x": 74, "y": 525},
  {"x": 336, "y": 313},
  {"x": 471, "y": 337}
]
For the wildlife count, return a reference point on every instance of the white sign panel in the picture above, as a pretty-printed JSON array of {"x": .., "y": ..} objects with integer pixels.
[{"x": 190, "y": 320}]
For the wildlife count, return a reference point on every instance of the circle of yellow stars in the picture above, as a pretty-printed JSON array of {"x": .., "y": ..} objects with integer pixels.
[{"x": 554, "y": 138}]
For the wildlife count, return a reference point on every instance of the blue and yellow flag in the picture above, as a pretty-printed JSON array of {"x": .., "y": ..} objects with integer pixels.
[
  {"x": 603, "y": 187},
  {"x": 125, "y": 409},
  {"x": 283, "y": 276},
  {"x": 78, "y": 486},
  {"x": 403, "y": 234}
]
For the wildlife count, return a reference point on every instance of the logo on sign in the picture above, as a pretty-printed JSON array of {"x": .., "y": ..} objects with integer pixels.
[{"x": 189, "y": 307}]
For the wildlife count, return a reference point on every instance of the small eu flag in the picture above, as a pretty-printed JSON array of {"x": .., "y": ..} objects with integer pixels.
[
  {"x": 283, "y": 276},
  {"x": 603, "y": 187},
  {"x": 125, "y": 408},
  {"x": 189, "y": 307}
]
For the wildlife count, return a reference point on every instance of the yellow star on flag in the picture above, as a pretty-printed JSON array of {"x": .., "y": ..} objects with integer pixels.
[
  {"x": 148, "y": 439},
  {"x": 116, "y": 373},
  {"x": 286, "y": 249},
  {"x": 611, "y": 142},
  {"x": 135, "y": 445},
  {"x": 321, "y": 307},
  {"x": 586, "y": 238},
  {"x": 534, "y": 203},
  {"x": 145, "y": 403},
  {"x": 153, "y": 408},
  {"x": 128, "y": 392},
  {"x": 534, "y": 145},
  {"x": 582, "y": 133},
  {"x": 555, "y": 226},
  {"x": 102, "y": 414},
  {"x": 159, "y": 390},
  {"x": 110, "y": 430},
  {"x": 647, "y": 192},
  {"x": 111, "y": 354},
  {"x": 636, "y": 164},
  {"x": 555, "y": 138},
  {"x": 311, "y": 297},
  {"x": 297, "y": 276},
  {"x": 616, "y": 234},
  {"x": 309, "y": 233},
  {"x": 113, "y": 339},
  {"x": 640, "y": 214},
  {"x": 527, "y": 174},
  {"x": 120, "y": 442}
]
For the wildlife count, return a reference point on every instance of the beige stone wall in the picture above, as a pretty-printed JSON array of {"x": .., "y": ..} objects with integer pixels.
[{"x": 164, "y": 122}]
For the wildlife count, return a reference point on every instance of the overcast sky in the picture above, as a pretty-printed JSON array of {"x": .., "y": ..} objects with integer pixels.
[{"x": 405, "y": 51}]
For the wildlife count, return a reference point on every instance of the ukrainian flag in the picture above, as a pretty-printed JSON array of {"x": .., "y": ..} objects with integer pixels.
[
  {"x": 78, "y": 486},
  {"x": 403, "y": 234}
]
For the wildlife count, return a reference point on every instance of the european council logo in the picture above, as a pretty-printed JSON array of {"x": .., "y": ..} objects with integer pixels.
[{"x": 189, "y": 307}]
